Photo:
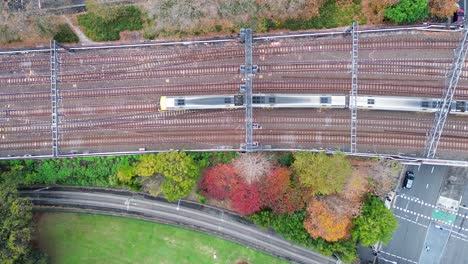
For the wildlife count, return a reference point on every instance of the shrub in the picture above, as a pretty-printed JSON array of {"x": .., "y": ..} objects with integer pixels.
[
  {"x": 102, "y": 28},
  {"x": 407, "y": 11},
  {"x": 65, "y": 34}
]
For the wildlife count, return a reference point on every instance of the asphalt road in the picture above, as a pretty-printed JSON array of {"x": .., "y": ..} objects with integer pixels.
[
  {"x": 412, "y": 209},
  {"x": 419, "y": 238},
  {"x": 187, "y": 214}
]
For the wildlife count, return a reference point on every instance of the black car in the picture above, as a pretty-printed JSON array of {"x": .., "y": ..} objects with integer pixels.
[{"x": 409, "y": 179}]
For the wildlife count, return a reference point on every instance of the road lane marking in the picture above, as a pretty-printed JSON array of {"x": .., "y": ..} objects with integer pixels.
[
  {"x": 409, "y": 220},
  {"x": 432, "y": 171},
  {"x": 466, "y": 240},
  {"x": 430, "y": 218},
  {"x": 427, "y": 185},
  {"x": 395, "y": 256}
]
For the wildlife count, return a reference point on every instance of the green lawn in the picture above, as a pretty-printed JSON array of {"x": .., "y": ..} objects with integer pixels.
[{"x": 85, "y": 238}]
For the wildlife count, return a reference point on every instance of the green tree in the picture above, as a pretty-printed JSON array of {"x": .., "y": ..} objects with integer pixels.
[
  {"x": 376, "y": 223},
  {"x": 181, "y": 173},
  {"x": 16, "y": 227},
  {"x": 147, "y": 165},
  {"x": 407, "y": 11},
  {"x": 125, "y": 172},
  {"x": 321, "y": 173}
]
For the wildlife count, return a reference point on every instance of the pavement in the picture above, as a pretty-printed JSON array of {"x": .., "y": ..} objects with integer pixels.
[
  {"x": 184, "y": 213},
  {"x": 428, "y": 232}
]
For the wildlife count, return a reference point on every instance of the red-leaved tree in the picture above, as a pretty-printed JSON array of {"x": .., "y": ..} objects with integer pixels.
[
  {"x": 274, "y": 185},
  {"x": 278, "y": 194},
  {"x": 218, "y": 182},
  {"x": 245, "y": 199}
]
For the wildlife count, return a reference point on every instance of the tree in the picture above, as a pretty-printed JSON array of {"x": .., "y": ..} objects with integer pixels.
[
  {"x": 327, "y": 222},
  {"x": 376, "y": 223},
  {"x": 181, "y": 172},
  {"x": 16, "y": 227},
  {"x": 245, "y": 199},
  {"x": 252, "y": 166},
  {"x": 125, "y": 172},
  {"x": 443, "y": 8},
  {"x": 407, "y": 11},
  {"x": 278, "y": 194},
  {"x": 384, "y": 176},
  {"x": 147, "y": 165},
  {"x": 291, "y": 227},
  {"x": 320, "y": 173},
  {"x": 218, "y": 182}
]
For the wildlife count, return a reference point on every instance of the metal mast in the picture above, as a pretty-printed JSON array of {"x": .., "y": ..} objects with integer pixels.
[
  {"x": 443, "y": 107},
  {"x": 354, "y": 87},
  {"x": 54, "y": 96},
  {"x": 248, "y": 70}
]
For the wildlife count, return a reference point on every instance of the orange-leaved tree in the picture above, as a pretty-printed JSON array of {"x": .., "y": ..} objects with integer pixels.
[{"x": 325, "y": 221}]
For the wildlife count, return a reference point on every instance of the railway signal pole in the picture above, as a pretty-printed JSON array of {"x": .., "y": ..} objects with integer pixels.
[
  {"x": 54, "y": 96},
  {"x": 354, "y": 88},
  {"x": 444, "y": 106},
  {"x": 248, "y": 70}
]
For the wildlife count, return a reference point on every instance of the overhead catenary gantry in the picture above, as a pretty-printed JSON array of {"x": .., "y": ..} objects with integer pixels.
[
  {"x": 248, "y": 70},
  {"x": 354, "y": 87},
  {"x": 54, "y": 96},
  {"x": 444, "y": 106}
]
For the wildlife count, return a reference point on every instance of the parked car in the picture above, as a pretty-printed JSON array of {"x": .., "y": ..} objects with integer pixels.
[{"x": 409, "y": 179}]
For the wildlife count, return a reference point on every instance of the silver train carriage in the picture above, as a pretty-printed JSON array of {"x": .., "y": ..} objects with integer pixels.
[
  {"x": 370, "y": 102},
  {"x": 409, "y": 104},
  {"x": 258, "y": 100}
]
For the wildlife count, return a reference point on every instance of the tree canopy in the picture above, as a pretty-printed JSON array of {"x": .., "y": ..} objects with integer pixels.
[
  {"x": 407, "y": 11},
  {"x": 442, "y": 8},
  {"x": 16, "y": 227},
  {"x": 278, "y": 193},
  {"x": 325, "y": 220},
  {"x": 376, "y": 223},
  {"x": 147, "y": 165},
  {"x": 321, "y": 173},
  {"x": 219, "y": 181},
  {"x": 181, "y": 173},
  {"x": 245, "y": 199}
]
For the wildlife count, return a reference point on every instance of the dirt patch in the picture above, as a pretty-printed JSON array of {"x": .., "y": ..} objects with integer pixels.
[{"x": 242, "y": 261}]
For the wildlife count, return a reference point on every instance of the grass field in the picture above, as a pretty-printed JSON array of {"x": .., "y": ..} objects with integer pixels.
[{"x": 84, "y": 238}]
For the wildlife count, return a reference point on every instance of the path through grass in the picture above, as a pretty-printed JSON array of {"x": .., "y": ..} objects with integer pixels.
[{"x": 84, "y": 238}]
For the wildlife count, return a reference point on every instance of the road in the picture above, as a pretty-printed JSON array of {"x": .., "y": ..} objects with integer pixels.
[
  {"x": 185, "y": 213},
  {"x": 421, "y": 237}
]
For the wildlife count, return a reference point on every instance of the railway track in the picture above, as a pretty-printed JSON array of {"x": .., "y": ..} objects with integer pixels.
[{"x": 437, "y": 68}]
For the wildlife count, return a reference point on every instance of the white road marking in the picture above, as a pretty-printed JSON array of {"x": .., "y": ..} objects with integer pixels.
[
  {"x": 409, "y": 220},
  {"x": 427, "y": 185},
  {"x": 432, "y": 171},
  {"x": 402, "y": 258},
  {"x": 466, "y": 240}
]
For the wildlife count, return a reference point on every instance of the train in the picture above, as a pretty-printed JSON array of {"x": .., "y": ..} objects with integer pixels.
[{"x": 369, "y": 102}]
